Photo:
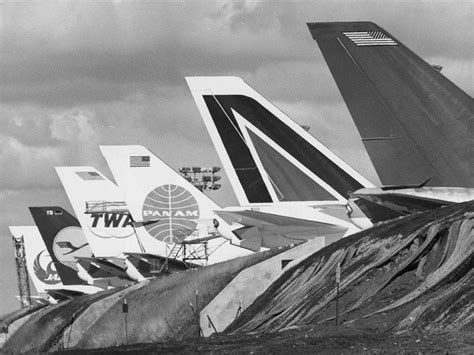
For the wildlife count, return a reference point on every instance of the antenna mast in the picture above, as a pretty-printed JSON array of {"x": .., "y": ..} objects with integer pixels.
[{"x": 22, "y": 273}]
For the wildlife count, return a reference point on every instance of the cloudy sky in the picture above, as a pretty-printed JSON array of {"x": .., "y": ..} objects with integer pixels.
[{"x": 74, "y": 75}]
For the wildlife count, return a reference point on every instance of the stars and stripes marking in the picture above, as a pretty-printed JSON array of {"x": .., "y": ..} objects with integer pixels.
[
  {"x": 139, "y": 161},
  {"x": 370, "y": 38},
  {"x": 89, "y": 175}
]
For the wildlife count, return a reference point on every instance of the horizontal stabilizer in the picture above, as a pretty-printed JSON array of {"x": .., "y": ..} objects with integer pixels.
[
  {"x": 261, "y": 219},
  {"x": 114, "y": 266},
  {"x": 270, "y": 231},
  {"x": 400, "y": 187},
  {"x": 155, "y": 262},
  {"x": 101, "y": 210},
  {"x": 67, "y": 292}
]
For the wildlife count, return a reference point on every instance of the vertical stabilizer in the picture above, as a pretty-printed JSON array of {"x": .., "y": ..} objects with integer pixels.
[
  {"x": 101, "y": 211},
  {"x": 163, "y": 204},
  {"x": 64, "y": 240},
  {"x": 268, "y": 157},
  {"x": 153, "y": 191},
  {"x": 414, "y": 122}
]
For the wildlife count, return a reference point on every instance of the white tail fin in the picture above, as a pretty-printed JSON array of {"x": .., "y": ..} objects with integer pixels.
[
  {"x": 150, "y": 187},
  {"x": 169, "y": 207},
  {"x": 101, "y": 210},
  {"x": 39, "y": 263},
  {"x": 268, "y": 157}
]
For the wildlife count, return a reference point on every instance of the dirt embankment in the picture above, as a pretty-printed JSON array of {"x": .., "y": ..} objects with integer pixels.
[
  {"x": 305, "y": 340},
  {"x": 162, "y": 310},
  {"x": 415, "y": 273},
  {"x": 165, "y": 309},
  {"x": 44, "y": 328}
]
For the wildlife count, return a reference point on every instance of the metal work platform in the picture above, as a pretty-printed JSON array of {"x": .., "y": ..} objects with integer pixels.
[
  {"x": 106, "y": 207},
  {"x": 193, "y": 249}
]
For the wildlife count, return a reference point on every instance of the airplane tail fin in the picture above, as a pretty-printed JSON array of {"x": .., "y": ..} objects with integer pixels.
[
  {"x": 268, "y": 157},
  {"x": 414, "y": 122},
  {"x": 101, "y": 211},
  {"x": 169, "y": 207},
  {"x": 40, "y": 266},
  {"x": 164, "y": 205},
  {"x": 64, "y": 240}
]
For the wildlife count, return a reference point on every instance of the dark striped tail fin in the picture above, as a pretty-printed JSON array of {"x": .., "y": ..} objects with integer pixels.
[
  {"x": 267, "y": 156},
  {"x": 64, "y": 240}
]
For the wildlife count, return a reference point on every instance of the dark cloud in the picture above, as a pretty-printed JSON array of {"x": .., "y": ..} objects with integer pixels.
[
  {"x": 294, "y": 81},
  {"x": 103, "y": 52}
]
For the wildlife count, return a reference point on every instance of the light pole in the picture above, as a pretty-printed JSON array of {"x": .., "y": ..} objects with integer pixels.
[
  {"x": 202, "y": 178},
  {"x": 338, "y": 281},
  {"x": 125, "y": 312}
]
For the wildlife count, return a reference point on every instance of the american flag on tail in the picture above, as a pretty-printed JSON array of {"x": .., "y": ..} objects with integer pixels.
[
  {"x": 370, "y": 38},
  {"x": 139, "y": 161},
  {"x": 89, "y": 175}
]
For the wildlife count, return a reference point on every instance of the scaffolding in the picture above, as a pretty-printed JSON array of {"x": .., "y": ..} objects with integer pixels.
[
  {"x": 188, "y": 251},
  {"x": 22, "y": 272}
]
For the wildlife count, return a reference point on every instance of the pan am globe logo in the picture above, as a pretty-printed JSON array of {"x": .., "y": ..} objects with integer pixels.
[{"x": 169, "y": 213}]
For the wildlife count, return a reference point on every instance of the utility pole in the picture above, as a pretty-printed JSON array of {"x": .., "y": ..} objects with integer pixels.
[
  {"x": 125, "y": 312},
  {"x": 198, "y": 320},
  {"x": 338, "y": 281}
]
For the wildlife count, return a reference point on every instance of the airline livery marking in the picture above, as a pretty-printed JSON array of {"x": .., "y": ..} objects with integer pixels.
[
  {"x": 139, "y": 161},
  {"x": 171, "y": 211},
  {"x": 370, "y": 38},
  {"x": 69, "y": 244},
  {"x": 44, "y": 269},
  {"x": 111, "y": 225}
]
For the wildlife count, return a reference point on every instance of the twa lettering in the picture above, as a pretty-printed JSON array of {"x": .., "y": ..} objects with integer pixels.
[{"x": 111, "y": 220}]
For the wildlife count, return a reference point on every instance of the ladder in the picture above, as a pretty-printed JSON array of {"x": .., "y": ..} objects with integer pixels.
[{"x": 173, "y": 250}]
